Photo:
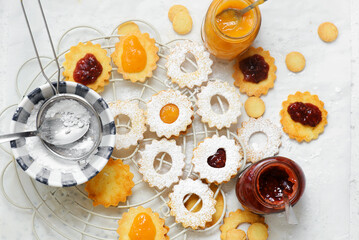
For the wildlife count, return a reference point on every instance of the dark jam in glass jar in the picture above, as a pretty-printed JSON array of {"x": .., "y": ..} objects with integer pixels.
[{"x": 262, "y": 186}]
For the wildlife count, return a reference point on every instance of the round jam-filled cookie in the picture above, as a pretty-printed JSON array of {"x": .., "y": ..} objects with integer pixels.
[
  {"x": 112, "y": 185},
  {"x": 303, "y": 116},
  {"x": 89, "y": 65},
  {"x": 328, "y": 32},
  {"x": 141, "y": 223},
  {"x": 254, "y": 107},
  {"x": 174, "y": 10},
  {"x": 254, "y": 72},
  {"x": 295, "y": 62},
  {"x": 182, "y": 23},
  {"x": 135, "y": 54},
  {"x": 236, "y": 218}
]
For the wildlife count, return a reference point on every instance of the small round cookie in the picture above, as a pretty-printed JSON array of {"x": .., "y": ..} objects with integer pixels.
[
  {"x": 236, "y": 234},
  {"x": 205, "y": 109},
  {"x": 295, "y": 62},
  {"x": 148, "y": 156},
  {"x": 169, "y": 113},
  {"x": 182, "y": 23},
  {"x": 217, "y": 159},
  {"x": 254, "y": 72},
  {"x": 179, "y": 210},
  {"x": 254, "y": 107},
  {"x": 178, "y": 55},
  {"x": 257, "y": 231},
  {"x": 172, "y": 12},
  {"x": 265, "y": 126},
  {"x": 138, "y": 121},
  {"x": 328, "y": 32}
]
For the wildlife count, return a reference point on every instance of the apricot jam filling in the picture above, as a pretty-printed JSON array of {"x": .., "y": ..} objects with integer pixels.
[
  {"x": 254, "y": 68},
  {"x": 134, "y": 56},
  {"x": 305, "y": 113},
  {"x": 87, "y": 70},
  {"x": 142, "y": 228},
  {"x": 227, "y": 22},
  {"x": 169, "y": 113}
]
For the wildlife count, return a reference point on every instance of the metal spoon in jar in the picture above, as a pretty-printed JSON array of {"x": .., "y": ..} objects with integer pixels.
[
  {"x": 233, "y": 13},
  {"x": 53, "y": 131}
]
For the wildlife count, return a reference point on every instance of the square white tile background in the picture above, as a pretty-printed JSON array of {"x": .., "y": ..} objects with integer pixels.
[{"x": 329, "y": 208}]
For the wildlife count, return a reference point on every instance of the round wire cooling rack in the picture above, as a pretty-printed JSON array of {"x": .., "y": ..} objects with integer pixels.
[{"x": 67, "y": 213}]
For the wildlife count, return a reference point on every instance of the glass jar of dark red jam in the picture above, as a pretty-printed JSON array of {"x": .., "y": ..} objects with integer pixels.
[{"x": 262, "y": 186}]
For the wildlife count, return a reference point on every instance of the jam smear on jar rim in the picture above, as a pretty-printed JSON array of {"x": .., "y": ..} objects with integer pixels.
[
  {"x": 254, "y": 68},
  {"x": 274, "y": 182},
  {"x": 217, "y": 160},
  {"x": 87, "y": 70},
  {"x": 305, "y": 113}
]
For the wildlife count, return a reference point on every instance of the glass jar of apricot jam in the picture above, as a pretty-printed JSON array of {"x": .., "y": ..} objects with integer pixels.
[
  {"x": 226, "y": 41},
  {"x": 262, "y": 186}
]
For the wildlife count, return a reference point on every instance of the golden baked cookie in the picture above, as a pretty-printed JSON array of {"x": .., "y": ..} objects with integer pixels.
[
  {"x": 328, "y": 32},
  {"x": 254, "y": 72},
  {"x": 219, "y": 206},
  {"x": 257, "y": 231},
  {"x": 182, "y": 23},
  {"x": 236, "y": 218},
  {"x": 88, "y": 64},
  {"x": 299, "y": 104},
  {"x": 135, "y": 54},
  {"x": 236, "y": 234},
  {"x": 254, "y": 107},
  {"x": 295, "y": 61},
  {"x": 172, "y": 12},
  {"x": 141, "y": 224},
  {"x": 112, "y": 185}
]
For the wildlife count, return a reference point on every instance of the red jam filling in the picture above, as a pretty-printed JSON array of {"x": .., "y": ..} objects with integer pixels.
[
  {"x": 217, "y": 160},
  {"x": 87, "y": 70},
  {"x": 254, "y": 68},
  {"x": 305, "y": 113},
  {"x": 274, "y": 182}
]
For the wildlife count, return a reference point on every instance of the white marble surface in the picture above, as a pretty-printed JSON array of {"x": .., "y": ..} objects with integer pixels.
[{"x": 329, "y": 208}]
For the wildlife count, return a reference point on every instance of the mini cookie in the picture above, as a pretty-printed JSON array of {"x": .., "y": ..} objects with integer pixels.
[
  {"x": 328, "y": 32},
  {"x": 180, "y": 212},
  {"x": 174, "y": 10},
  {"x": 217, "y": 159},
  {"x": 272, "y": 132},
  {"x": 219, "y": 206},
  {"x": 141, "y": 223},
  {"x": 178, "y": 55},
  {"x": 254, "y": 72},
  {"x": 182, "y": 23},
  {"x": 257, "y": 231},
  {"x": 254, "y": 107},
  {"x": 204, "y": 104},
  {"x": 236, "y": 218},
  {"x": 89, "y": 65},
  {"x": 303, "y": 116},
  {"x": 138, "y": 121},
  {"x": 148, "y": 156},
  {"x": 112, "y": 185},
  {"x": 169, "y": 113},
  {"x": 295, "y": 61},
  {"x": 135, "y": 54}
]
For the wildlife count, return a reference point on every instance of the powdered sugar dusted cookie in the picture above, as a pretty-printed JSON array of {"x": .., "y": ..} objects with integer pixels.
[
  {"x": 217, "y": 159},
  {"x": 137, "y": 117},
  {"x": 169, "y": 113},
  {"x": 205, "y": 109},
  {"x": 272, "y": 132},
  {"x": 180, "y": 212},
  {"x": 178, "y": 55},
  {"x": 148, "y": 156}
]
